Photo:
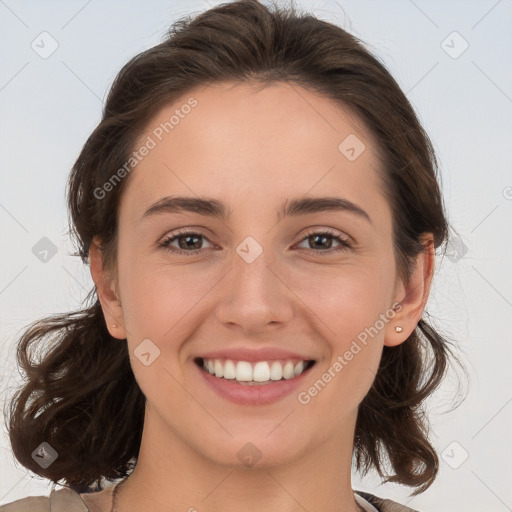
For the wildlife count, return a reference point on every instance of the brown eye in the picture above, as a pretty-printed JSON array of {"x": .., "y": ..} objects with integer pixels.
[
  {"x": 322, "y": 241},
  {"x": 188, "y": 242},
  {"x": 191, "y": 242}
]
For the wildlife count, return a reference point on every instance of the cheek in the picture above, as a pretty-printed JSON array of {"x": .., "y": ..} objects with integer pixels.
[
  {"x": 352, "y": 305},
  {"x": 162, "y": 301},
  {"x": 346, "y": 298},
  {"x": 163, "y": 304}
]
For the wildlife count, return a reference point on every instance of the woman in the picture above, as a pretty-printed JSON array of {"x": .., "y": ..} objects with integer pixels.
[{"x": 226, "y": 356}]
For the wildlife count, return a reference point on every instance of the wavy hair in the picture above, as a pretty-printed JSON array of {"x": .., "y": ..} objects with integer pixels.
[{"x": 81, "y": 395}]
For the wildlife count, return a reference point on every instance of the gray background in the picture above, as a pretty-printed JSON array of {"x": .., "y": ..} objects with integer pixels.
[{"x": 464, "y": 99}]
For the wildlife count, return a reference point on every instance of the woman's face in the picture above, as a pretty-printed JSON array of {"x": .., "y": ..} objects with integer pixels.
[{"x": 263, "y": 290}]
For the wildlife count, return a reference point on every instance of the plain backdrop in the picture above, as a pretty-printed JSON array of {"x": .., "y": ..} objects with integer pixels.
[{"x": 452, "y": 59}]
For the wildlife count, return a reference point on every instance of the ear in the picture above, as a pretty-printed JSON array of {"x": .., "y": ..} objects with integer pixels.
[
  {"x": 415, "y": 295},
  {"x": 105, "y": 288}
]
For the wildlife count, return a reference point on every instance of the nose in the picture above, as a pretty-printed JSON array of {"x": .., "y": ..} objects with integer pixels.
[{"x": 254, "y": 296}]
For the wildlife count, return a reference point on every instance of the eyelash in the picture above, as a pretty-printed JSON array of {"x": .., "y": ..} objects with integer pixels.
[{"x": 344, "y": 242}]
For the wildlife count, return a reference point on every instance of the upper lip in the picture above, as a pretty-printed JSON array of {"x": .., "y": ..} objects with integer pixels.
[{"x": 251, "y": 355}]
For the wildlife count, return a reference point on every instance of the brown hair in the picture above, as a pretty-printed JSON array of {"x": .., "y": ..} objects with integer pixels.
[{"x": 81, "y": 396}]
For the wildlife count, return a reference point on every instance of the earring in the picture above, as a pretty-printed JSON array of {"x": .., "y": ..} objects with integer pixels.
[
  {"x": 398, "y": 328},
  {"x": 114, "y": 325}
]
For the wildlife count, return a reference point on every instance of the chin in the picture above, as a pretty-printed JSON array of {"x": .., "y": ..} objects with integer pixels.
[{"x": 257, "y": 449}]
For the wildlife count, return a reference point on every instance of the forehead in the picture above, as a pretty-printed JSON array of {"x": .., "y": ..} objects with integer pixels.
[{"x": 240, "y": 140}]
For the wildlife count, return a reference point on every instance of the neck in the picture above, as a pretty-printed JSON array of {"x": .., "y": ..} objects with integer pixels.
[{"x": 170, "y": 476}]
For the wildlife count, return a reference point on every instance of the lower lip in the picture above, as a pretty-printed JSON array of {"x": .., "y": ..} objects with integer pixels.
[{"x": 259, "y": 394}]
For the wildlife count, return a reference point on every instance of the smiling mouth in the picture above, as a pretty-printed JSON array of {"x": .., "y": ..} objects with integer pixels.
[{"x": 254, "y": 373}]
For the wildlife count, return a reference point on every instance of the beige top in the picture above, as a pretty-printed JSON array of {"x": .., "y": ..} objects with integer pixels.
[{"x": 67, "y": 500}]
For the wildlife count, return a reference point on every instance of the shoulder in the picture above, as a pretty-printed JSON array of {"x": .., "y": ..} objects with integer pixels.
[
  {"x": 62, "y": 500},
  {"x": 383, "y": 504},
  {"x": 30, "y": 504}
]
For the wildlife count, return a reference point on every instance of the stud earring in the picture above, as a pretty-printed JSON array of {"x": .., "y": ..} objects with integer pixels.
[
  {"x": 398, "y": 329},
  {"x": 114, "y": 325}
]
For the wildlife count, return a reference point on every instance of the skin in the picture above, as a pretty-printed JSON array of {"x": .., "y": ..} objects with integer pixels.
[{"x": 252, "y": 148}]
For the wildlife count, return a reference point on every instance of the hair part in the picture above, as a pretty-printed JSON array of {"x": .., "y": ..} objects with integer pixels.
[{"x": 82, "y": 397}]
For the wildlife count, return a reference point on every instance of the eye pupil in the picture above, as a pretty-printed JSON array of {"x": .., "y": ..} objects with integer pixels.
[
  {"x": 188, "y": 245},
  {"x": 314, "y": 238}
]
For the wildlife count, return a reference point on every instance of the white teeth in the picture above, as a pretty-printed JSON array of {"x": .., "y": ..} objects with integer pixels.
[
  {"x": 262, "y": 371},
  {"x": 229, "y": 370},
  {"x": 243, "y": 371},
  {"x": 219, "y": 371},
  {"x": 288, "y": 370},
  {"x": 276, "y": 371}
]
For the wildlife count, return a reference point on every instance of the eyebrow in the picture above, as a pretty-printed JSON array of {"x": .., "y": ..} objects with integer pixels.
[{"x": 214, "y": 208}]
